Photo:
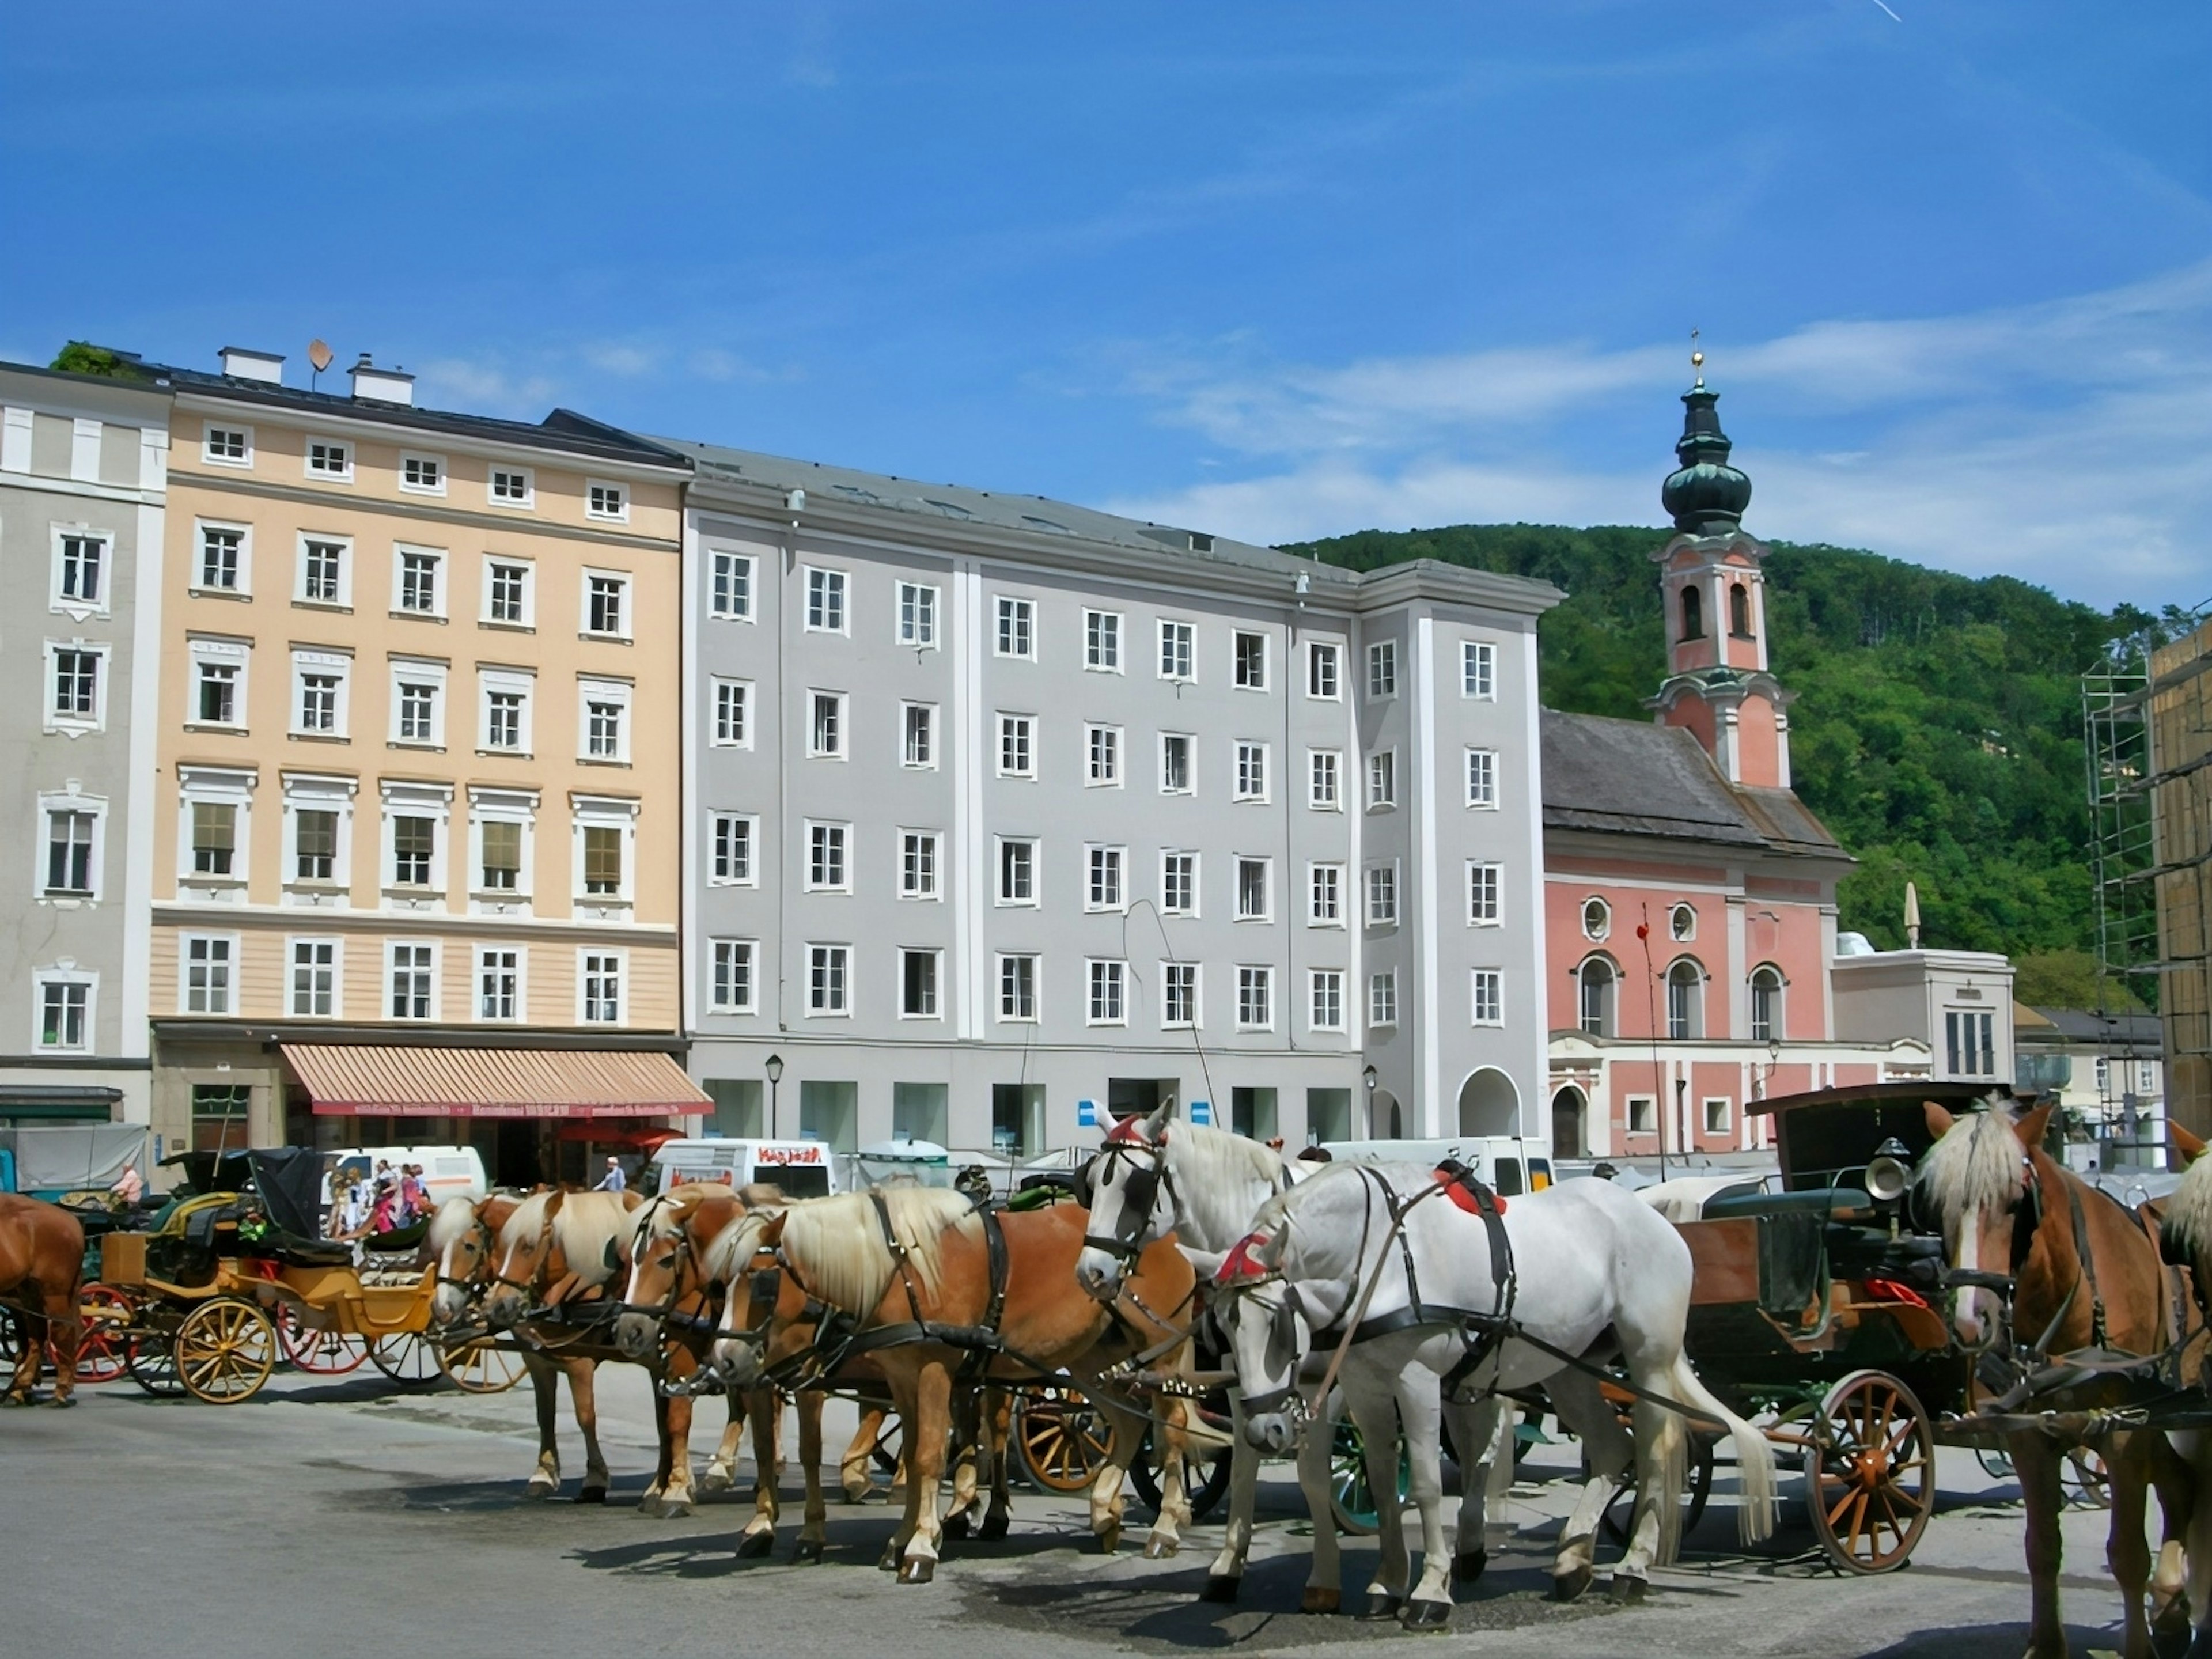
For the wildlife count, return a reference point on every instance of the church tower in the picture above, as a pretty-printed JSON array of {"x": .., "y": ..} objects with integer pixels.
[{"x": 1714, "y": 589}]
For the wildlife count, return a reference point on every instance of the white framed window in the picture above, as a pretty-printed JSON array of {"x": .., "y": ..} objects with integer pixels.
[
  {"x": 1484, "y": 882},
  {"x": 505, "y": 695},
  {"x": 209, "y": 961},
  {"x": 1325, "y": 896},
  {"x": 421, "y": 474},
  {"x": 77, "y": 686},
  {"x": 418, "y": 703},
  {"x": 917, "y": 857},
  {"x": 825, "y": 600},
  {"x": 411, "y": 980},
  {"x": 917, "y": 734},
  {"x": 1177, "y": 773},
  {"x": 1017, "y": 630},
  {"x": 1717, "y": 1109},
  {"x": 829, "y": 865},
  {"x": 1382, "y": 669},
  {"x": 1382, "y": 895},
  {"x": 64, "y": 1000},
  {"x": 733, "y": 726},
  {"x": 499, "y": 985},
  {"x": 829, "y": 972},
  {"x": 1324, "y": 667},
  {"x": 71, "y": 853},
  {"x": 318, "y": 836},
  {"x": 320, "y": 705},
  {"x": 605, "y": 850},
  {"x": 1018, "y": 745},
  {"x": 1249, "y": 659},
  {"x": 607, "y": 502},
  {"x": 1488, "y": 996},
  {"x": 1104, "y": 888},
  {"x": 1177, "y": 661},
  {"x": 312, "y": 990},
  {"x": 1179, "y": 996},
  {"x": 1251, "y": 771},
  {"x": 730, "y": 990},
  {"x": 414, "y": 840},
  {"x": 418, "y": 580},
  {"x": 1642, "y": 1115},
  {"x": 1478, "y": 670},
  {"x": 329, "y": 460},
  {"x": 825, "y": 725},
  {"x": 1382, "y": 780},
  {"x": 218, "y": 696},
  {"x": 1382, "y": 997},
  {"x": 511, "y": 486},
  {"x": 603, "y": 720},
  {"x": 1255, "y": 999},
  {"x": 499, "y": 825},
  {"x": 917, "y": 615},
  {"x": 600, "y": 975},
  {"x": 1482, "y": 778},
  {"x": 1325, "y": 780},
  {"x": 732, "y": 837},
  {"x": 1597, "y": 918},
  {"x": 607, "y": 604},
  {"x": 227, "y": 445},
  {"x": 215, "y": 811},
  {"x": 1018, "y": 870},
  {"x": 1682, "y": 923},
  {"x": 223, "y": 558},
  {"x": 729, "y": 584},
  {"x": 1325, "y": 999},
  {"x": 510, "y": 593},
  {"x": 1766, "y": 1021},
  {"x": 325, "y": 570},
  {"x": 1017, "y": 987},
  {"x": 919, "y": 972},
  {"x": 1178, "y": 884},
  {"x": 1101, "y": 756},
  {"x": 1108, "y": 1003},
  {"x": 1255, "y": 898},
  {"x": 1102, "y": 642},
  {"x": 82, "y": 571}
]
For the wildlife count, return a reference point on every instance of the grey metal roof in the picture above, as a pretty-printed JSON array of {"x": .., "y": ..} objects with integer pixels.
[{"x": 2082, "y": 1025}]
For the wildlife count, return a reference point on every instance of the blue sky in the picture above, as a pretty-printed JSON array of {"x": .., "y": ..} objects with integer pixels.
[{"x": 1270, "y": 270}]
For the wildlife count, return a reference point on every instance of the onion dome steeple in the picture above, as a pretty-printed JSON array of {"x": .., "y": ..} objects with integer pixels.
[{"x": 1706, "y": 496}]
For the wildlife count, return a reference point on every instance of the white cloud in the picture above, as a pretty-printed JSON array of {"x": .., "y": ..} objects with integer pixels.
[{"x": 486, "y": 388}]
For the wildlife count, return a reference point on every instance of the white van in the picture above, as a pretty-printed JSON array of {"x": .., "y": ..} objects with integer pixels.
[
  {"x": 803, "y": 1168},
  {"x": 447, "y": 1171},
  {"x": 1507, "y": 1164}
]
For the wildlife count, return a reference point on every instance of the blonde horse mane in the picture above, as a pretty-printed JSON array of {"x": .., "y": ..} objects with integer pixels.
[
  {"x": 1977, "y": 1165},
  {"x": 2187, "y": 1218},
  {"x": 454, "y": 1217},
  {"x": 836, "y": 1245},
  {"x": 583, "y": 1227},
  {"x": 1215, "y": 1173}
]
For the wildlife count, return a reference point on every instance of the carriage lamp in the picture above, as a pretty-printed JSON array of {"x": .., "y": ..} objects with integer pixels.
[{"x": 1888, "y": 1173}]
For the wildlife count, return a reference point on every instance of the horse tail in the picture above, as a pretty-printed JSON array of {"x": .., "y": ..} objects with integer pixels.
[
  {"x": 1755, "y": 1455},
  {"x": 1669, "y": 1439}
]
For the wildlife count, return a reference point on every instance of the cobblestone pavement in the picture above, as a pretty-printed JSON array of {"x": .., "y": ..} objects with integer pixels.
[{"x": 333, "y": 1517}]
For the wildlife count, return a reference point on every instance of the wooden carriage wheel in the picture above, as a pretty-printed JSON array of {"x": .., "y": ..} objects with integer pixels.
[
  {"x": 481, "y": 1365},
  {"x": 225, "y": 1349},
  {"x": 150, "y": 1357},
  {"x": 1349, "y": 1497},
  {"x": 1205, "y": 1477},
  {"x": 319, "y": 1353},
  {"x": 1870, "y": 1472},
  {"x": 102, "y": 1344},
  {"x": 408, "y": 1358},
  {"x": 1062, "y": 1439}
]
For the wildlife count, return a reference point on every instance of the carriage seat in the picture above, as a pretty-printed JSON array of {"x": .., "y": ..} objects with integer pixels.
[{"x": 296, "y": 1251}]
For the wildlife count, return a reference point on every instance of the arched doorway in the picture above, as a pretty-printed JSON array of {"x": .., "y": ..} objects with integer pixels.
[
  {"x": 1386, "y": 1122},
  {"x": 1489, "y": 1104},
  {"x": 1567, "y": 1123}
]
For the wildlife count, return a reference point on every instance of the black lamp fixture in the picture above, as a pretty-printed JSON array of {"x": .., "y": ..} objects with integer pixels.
[{"x": 774, "y": 1068}]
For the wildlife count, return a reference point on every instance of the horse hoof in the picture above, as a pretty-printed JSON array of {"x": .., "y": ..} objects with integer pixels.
[
  {"x": 1628, "y": 1591},
  {"x": 62, "y": 1402},
  {"x": 755, "y": 1544},
  {"x": 917, "y": 1570},
  {"x": 1426, "y": 1615},
  {"x": 541, "y": 1488},
  {"x": 808, "y": 1549},
  {"x": 1568, "y": 1586},
  {"x": 717, "y": 1480},
  {"x": 956, "y": 1526},
  {"x": 1158, "y": 1548},
  {"x": 1466, "y": 1569},
  {"x": 889, "y": 1561},
  {"x": 673, "y": 1507},
  {"x": 862, "y": 1494},
  {"x": 1110, "y": 1538},
  {"x": 1317, "y": 1599},
  {"x": 993, "y": 1528},
  {"x": 591, "y": 1495},
  {"x": 1381, "y": 1604},
  {"x": 1220, "y": 1588}
]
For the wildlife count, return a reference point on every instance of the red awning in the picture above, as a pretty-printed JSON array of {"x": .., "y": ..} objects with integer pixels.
[{"x": 373, "y": 1080}]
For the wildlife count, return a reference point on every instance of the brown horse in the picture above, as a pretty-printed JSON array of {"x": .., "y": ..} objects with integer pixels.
[
  {"x": 789, "y": 1268},
  {"x": 2085, "y": 1280},
  {"x": 41, "y": 1267}
]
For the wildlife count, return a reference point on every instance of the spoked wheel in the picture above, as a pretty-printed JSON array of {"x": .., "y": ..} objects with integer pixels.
[
  {"x": 1205, "y": 1477},
  {"x": 1870, "y": 1474},
  {"x": 1350, "y": 1496},
  {"x": 225, "y": 1349},
  {"x": 408, "y": 1358},
  {"x": 1620, "y": 1508},
  {"x": 319, "y": 1354},
  {"x": 481, "y": 1365},
  {"x": 150, "y": 1357},
  {"x": 106, "y": 1314},
  {"x": 1062, "y": 1439}
]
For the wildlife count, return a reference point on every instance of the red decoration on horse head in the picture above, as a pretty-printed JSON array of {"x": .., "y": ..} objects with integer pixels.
[
  {"x": 1242, "y": 1260},
  {"x": 1129, "y": 1132}
]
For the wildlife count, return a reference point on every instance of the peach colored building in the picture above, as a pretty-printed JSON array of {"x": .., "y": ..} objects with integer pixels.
[{"x": 417, "y": 773}]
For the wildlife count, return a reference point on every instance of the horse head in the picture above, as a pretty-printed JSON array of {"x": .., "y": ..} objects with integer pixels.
[
  {"x": 1130, "y": 1201},
  {"x": 520, "y": 1259},
  {"x": 660, "y": 1252},
  {"x": 459, "y": 1244},
  {"x": 1264, "y": 1320},
  {"x": 744, "y": 1257},
  {"x": 1982, "y": 1178}
]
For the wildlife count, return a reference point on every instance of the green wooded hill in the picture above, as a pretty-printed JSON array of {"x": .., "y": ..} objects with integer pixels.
[{"x": 1937, "y": 729}]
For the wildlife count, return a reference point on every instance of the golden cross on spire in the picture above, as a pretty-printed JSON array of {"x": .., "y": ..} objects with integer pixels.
[{"x": 1696, "y": 360}]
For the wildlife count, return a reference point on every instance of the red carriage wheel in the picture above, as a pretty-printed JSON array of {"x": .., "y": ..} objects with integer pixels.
[
  {"x": 319, "y": 1354},
  {"x": 106, "y": 1314}
]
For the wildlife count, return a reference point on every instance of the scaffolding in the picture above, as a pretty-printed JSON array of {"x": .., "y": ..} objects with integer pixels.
[{"x": 2147, "y": 730}]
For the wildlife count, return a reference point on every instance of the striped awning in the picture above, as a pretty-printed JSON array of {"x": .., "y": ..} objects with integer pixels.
[{"x": 371, "y": 1080}]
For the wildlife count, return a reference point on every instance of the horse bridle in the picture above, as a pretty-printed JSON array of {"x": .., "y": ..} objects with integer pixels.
[
  {"x": 1140, "y": 1190},
  {"x": 470, "y": 1286}
]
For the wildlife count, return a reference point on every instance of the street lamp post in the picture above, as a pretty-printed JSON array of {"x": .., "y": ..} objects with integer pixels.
[
  {"x": 1367, "y": 1078},
  {"x": 774, "y": 1069}
]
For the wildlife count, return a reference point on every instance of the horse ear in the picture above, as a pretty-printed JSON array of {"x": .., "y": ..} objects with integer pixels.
[
  {"x": 1157, "y": 1124},
  {"x": 1270, "y": 1252},
  {"x": 1207, "y": 1262},
  {"x": 2031, "y": 1127},
  {"x": 772, "y": 1233},
  {"x": 1939, "y": 1121},
  {"x": 553, "y": 1204},
  {"x": 2187, "y": 1147}
]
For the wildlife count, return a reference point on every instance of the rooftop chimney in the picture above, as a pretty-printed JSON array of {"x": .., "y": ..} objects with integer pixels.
[
  {"x": 241, "y": 363},
  {"x": 383, "y": 385}
]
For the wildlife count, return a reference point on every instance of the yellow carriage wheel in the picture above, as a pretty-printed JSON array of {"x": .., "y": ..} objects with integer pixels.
[
  {"x": 481, "y": 1365},
  {"x": 225, "y": 1349}
]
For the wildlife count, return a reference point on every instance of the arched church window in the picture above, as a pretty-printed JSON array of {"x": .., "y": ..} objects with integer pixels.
[
  {"x": 1693, "y": 615},
  {"x": 1596, "y": 981},
  {"x": 1740, "y": 610},
  {"x": 1765, "y": 1005},
  {"x": 1686, "y": 984}
]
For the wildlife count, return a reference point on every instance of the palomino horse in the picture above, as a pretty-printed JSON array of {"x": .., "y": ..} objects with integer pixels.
[
  {"x": 906, "y": 1275},
  {"x": 41, "y": 1263},
  {"x": 2084, "y": 1278},
  {"x": 1378, "y": 1265}
]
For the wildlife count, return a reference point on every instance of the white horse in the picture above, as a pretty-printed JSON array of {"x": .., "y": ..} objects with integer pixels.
[{"x": 1381, "y": 1249}]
